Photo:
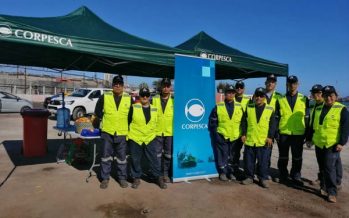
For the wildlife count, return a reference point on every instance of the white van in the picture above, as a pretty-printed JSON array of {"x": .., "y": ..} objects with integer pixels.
[{"x": 82, "y": 101}]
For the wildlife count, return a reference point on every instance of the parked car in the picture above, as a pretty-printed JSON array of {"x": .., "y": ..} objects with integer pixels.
[
  {"x": 13, "y": 103},
  {"x": 81, "y": 102},
  {"x": 48, "y": 99}
]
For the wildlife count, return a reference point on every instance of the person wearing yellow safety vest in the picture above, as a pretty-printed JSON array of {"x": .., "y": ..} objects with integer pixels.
[
  {"x": 292, "y": 110},
  {"x": 164, "y": 104},
  {"x": 243, "y": 99},
  {"x": 225, "y": 123},
  {"x": 258, "y": 138},
  {"x": 271, "y": 98},
  {"x": 143, "y": 119},
  {"x": 318, "y": 100},
  {"x": 330, "y": 133},
  {"x": 113, "y": 108}
]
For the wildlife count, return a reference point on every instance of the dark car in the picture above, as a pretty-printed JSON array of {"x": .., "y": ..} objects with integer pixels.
[
  {"x": 48, "y": 99},
  {"x": 13, "y": 103}
]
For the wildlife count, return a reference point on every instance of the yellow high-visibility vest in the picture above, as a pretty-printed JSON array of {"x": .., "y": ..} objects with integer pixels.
[
  {"x": 229, "y": 127},
  {"x": 292, "y": 122},
  {"x": 165, "y": 118},
  {"x": 115, "y": 121},
  {"x": 327, "y": 134},
  {"x": 140, "y": 131},
  {"x": 257, "y": 133}
]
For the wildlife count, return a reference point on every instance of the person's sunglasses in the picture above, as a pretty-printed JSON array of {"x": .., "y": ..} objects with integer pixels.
[
  {"x": 260, "y": 96},
  {"x": 145, "y": 95},
  {"x": 239, "y": 87}
]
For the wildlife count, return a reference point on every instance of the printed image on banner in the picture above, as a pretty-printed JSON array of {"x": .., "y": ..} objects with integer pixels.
[{"x": 194, "y": 99}]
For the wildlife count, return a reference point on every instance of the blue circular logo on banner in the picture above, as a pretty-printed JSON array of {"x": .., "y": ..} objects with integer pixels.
[{"x": 194, "y": 110}]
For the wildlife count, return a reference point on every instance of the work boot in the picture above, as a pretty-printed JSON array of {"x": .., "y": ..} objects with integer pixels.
[
  {"x": 323, "y": 192},
  {"x": 123, "y": 183},
  {"x": 223, "y": 177},
  {"x": 281, "y": 179},
  {"x": 263, "y": 184},
  {"x": 298, "y": 181},
  {"x": 247, "y": 181},
  {"x": 135, "y": 183},
  {"x": 167, "y": 179},
  {"x": 339, "y": 187},
  {"x": 161, "y": 182},
  {"x": 332, "y": 198},
  {"x": 232, "y": 177},
  {"x": 104, "y": 184}
]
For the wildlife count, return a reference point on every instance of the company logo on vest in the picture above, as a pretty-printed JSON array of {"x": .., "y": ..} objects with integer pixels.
[
  {"x": 194, "y": 111},
  {"x": 5, "y": 30}
]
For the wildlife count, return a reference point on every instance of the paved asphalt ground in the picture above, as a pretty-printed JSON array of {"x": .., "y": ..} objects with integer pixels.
[{"x": 39, "y": 187}]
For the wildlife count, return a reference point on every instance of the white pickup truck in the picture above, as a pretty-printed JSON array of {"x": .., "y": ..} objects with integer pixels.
[{"x": 82, "y": 101}]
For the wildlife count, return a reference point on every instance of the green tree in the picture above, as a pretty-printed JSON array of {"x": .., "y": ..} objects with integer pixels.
[
  {"x": 221, "y": 86},
  {"x": 157, "y": 85},
  {"x": 143, "y": 85}
]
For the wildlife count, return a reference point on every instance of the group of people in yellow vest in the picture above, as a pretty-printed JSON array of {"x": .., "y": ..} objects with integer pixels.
[
  {"x": 288, "y": 119},
  {"x": 142, "y": 129},
  {"x": 145, "y": 130}
]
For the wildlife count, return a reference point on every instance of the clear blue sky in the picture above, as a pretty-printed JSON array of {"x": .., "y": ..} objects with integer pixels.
[{"x": 311, "y": 36}]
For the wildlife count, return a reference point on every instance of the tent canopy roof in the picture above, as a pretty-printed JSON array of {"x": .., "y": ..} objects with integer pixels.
[
  {"x": 82, "y": 41},
  {"x": 230, "y": 62}
]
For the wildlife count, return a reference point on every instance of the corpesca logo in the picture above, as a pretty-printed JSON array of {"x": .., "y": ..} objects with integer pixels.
[
  {"x": 5, "y": 30},
  {"x": 194, "y": 110}
]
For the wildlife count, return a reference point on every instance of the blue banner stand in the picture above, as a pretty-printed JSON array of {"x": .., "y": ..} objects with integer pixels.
[{"x": 194, "y": 99}]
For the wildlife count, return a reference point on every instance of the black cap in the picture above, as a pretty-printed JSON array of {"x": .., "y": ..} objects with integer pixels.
[
  {"x": 165, "y": 81},
  {"x": 144, "y": 92},
  {"x": 327, "y": 90},
  {"x": 316, "y": 88},
  {"x": 118, "y": 80},
  {"x": 292, "y": 79},
  {"x": 229, "y": 88},
  {"x": 260, "y": 91},
  {"x": 239, "y": 84},
  {"x": 272, "y": 77}
]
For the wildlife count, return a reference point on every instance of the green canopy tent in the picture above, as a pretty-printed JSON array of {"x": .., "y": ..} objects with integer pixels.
[
  {"x": 81, "y": 41},
  {"x": 232, "y": 63}
]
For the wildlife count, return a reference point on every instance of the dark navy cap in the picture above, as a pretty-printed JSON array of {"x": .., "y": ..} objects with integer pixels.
[
  {"x": 118, "y": 80},
  {"x": 260, "y": 91},
  {"x": 327, "y": 90},
  {"x": 230, "y": 88},
  {"x": 144, "y": 91},
  {"x": 272, "y": 77},
  {"x": 292, "y": 79},
  {"x": 165, "y": 81},
  {"x": 316, "y": 88},
  {"x": 239, "y": 84}
]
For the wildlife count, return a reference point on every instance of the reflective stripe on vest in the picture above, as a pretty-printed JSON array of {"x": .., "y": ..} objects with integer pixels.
[
  {"x": 115, "y": 120},
  {"x": 165, "y": 118},
  {"x": 292, "y": 122},
  {"x": 257, "y": 133},
  {"x": 140, "y": 132},
  {"x": 229, "y": 128},
  {"x": 327, "y": 134}
]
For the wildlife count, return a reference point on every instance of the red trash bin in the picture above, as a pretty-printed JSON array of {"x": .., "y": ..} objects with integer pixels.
[{"x": 35, "y": 132}]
